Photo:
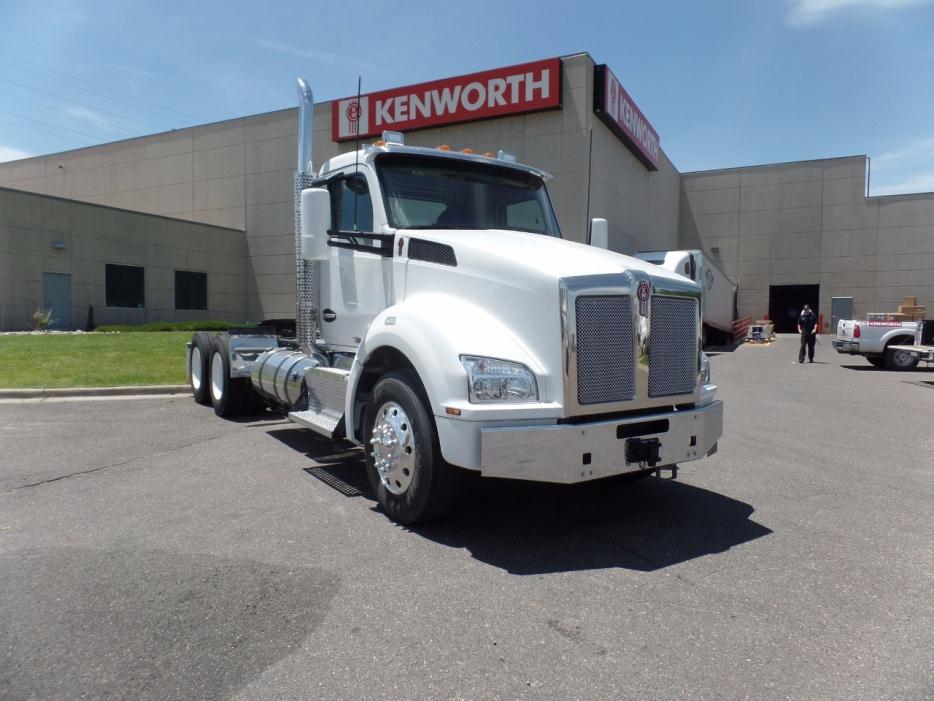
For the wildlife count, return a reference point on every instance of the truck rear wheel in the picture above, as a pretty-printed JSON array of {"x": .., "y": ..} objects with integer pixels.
[
  {"x": 412, "y": 482},
  {"x": 877, "y": 361},
  {"x": 899, "y": 360},
  {"x": 199, "y": 367},
  {"x": 229, "y": 395}
]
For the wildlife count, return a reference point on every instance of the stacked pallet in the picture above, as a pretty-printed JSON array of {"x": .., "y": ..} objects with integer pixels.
[
  {"x": 910, "y": 309},
  {"x": 761, "y": 331}
]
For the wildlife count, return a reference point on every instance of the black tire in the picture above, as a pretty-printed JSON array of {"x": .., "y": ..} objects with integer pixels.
[
  {"x": 899, "y": 360},
  {"x": 199, "y": 367},
  {"x": 430, "y": 485},
  {"x": 229, "y": 396},
  {"x": 877, "y": 361}
]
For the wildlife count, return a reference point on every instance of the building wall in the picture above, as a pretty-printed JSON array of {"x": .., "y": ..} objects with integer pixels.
[
  {"x": 238, "y": 173},
  {"x": 90, "y": 236},
  {"x": 810, "y": 222}
]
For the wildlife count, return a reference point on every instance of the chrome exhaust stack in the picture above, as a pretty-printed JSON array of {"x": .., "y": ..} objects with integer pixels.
[{"x": 306, "y": 297}]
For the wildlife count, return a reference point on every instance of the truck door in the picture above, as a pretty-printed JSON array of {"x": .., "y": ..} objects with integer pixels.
[{"x": 355, "y": 285}]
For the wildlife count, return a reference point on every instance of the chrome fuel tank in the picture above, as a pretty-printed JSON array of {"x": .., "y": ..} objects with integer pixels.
[{"x": 279, "y": 375}]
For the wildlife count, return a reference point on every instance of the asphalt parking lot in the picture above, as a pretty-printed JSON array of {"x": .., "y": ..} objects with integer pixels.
[{"x": 151, "y": 550}]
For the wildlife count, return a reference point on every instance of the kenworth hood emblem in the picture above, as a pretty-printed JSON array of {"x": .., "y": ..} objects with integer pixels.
[{"x": 643, "y": 292}]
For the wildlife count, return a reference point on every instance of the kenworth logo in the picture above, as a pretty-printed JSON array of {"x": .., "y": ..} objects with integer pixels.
[
  {"x": 503, "y": 91},
  {"x": 613, "y": 105}
]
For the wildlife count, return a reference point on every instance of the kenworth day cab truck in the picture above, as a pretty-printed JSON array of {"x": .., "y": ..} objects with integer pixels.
[
  {"x": 443, "y": 324},
  {"x": 879, "y": 342},
  {"x": 718, "y": 294}
]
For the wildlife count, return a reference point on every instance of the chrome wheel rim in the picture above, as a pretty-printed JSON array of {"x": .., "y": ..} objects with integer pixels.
[
  {"x": 197, "y": 369},
  {"x": 217, "y": 377},
  {"x": 393, "y": 444}
]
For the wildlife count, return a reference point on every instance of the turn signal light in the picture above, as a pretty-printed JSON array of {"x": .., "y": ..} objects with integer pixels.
[{"x": 856, "y": 332}]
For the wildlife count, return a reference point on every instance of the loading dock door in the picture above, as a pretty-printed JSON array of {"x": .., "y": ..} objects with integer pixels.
[
  {"x": 786, "y": 302},
  {"x": 56, "y": 295}
]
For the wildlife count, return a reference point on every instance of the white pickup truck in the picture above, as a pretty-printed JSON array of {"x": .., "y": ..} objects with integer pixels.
[{"x": 877, "y": 340}]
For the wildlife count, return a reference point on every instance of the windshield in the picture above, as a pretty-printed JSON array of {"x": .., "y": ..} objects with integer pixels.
[{"x": 443, "y": 193}]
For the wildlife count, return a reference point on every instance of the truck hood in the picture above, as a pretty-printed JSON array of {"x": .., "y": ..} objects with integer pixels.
[
  {"x": 501, "y": 298},
  {"x": 538, "y": 254}
]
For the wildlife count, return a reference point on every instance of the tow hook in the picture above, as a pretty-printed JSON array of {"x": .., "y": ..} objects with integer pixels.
[{"x": 643, "y": 450}]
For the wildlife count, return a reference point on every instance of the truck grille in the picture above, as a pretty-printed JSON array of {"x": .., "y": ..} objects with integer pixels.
[
  {"x": 673, "y": 349},
  {"x": 605, "y": 369}
]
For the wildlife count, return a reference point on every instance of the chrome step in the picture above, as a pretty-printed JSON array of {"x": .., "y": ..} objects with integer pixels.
[{"x": 327, "y": 389}]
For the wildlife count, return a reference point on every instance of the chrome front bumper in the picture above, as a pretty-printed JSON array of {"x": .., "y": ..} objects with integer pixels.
[
  {"x": 851, "y": 347},
  {"x": 568, "y": 453}
]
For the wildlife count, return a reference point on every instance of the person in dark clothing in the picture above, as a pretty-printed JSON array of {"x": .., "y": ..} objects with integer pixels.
[{"x": 807, "y": 327}]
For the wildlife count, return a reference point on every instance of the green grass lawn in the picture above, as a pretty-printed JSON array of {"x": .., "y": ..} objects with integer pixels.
[{"x": 92, "y": 360}]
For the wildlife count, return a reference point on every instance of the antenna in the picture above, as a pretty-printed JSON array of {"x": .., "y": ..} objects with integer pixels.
[{"x": 356, "y": 166}]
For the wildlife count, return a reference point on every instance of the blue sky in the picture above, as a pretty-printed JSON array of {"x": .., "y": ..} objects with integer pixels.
[{"x": 724, "y": 83}]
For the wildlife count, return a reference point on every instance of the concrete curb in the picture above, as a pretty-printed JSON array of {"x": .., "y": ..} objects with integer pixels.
[{"x": 91, "y": 391}]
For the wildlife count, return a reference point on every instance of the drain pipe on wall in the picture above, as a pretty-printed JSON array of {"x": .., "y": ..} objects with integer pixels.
[{"x": 306, "y": 298}]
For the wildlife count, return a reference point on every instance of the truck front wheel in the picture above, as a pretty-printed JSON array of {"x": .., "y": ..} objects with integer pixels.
[{"x": 412, "y": 482}]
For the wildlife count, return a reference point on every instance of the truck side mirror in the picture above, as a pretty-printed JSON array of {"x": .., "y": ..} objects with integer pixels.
[
  {"x": 599, "y": 233},
  {"x": 316, "y": 220}
]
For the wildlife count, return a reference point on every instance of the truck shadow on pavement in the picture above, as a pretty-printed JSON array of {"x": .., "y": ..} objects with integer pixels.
[
  {"x": 871, "y": 368},
  {"x": 528, "y": 528}
]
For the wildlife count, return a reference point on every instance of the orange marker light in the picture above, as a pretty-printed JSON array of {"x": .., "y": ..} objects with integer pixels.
[
  {"x": 490, "y": 154},
  {"x": 380, "y": 143},
  {"x": 467, "y": 151},
  {"x": 452, "y": 411},
  {"x": 444, "y": 147}
]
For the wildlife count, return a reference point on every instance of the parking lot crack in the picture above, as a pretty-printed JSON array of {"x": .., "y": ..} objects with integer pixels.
[{"x": 109, "y": 466}]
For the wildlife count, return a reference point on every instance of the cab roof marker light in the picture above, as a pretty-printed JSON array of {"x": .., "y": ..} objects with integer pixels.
[
  {"x": 489, "y": 154},
  {"x": 394, "y": 137},
  {"x": 506, "y": 156},
  {"x": 444, "y": 147}
]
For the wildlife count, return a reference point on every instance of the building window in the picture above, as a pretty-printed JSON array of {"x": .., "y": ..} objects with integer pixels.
[
  {"x": 191, "y": 290},
  {"x": 125, "y": 286}
]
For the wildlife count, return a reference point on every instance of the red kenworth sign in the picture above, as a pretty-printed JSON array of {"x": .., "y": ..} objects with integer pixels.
[
  {"x": 525, "y": 88},
  {"x": 617, "y": 110}
]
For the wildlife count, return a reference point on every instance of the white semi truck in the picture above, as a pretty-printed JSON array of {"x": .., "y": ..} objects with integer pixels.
[
  {"x": 443, "y": 324},
  {"x": 718, "y": 294}
]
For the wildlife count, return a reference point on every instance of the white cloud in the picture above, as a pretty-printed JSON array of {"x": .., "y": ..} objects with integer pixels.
[
  {"x": 810, "y": 12},
  {"x": 8, "y": 153},
  {"x": 909, "y": 168},
  {"x": 318, "y": 55},
  {"x": 916, "y": 183},
  {"x": 93, "y": 116}
]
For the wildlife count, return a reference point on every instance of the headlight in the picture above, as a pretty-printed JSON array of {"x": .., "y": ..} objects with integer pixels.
[
  {"x": 704, "y": 368},
  {"x": 492, "y": 380}
]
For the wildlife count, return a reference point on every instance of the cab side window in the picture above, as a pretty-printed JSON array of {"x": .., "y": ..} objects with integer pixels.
[{"x": 351, "y": 206}]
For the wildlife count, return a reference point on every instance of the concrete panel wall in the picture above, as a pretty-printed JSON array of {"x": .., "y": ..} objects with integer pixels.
[
  {"x": 86, "y": 237},
  {"x": 811, "y": 223},
  {"x": 238, "y": 174}
]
